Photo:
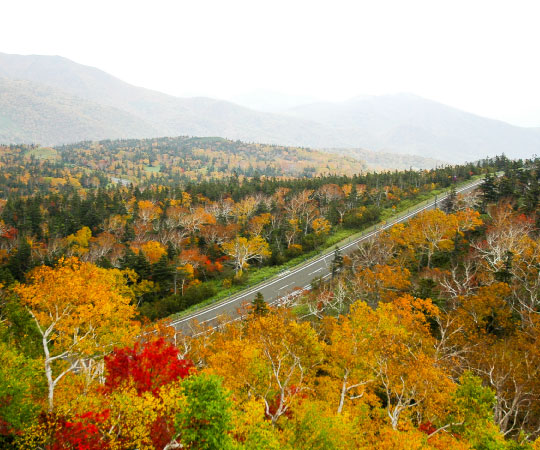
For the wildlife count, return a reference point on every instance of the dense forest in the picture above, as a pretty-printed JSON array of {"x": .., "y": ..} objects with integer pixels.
[
  {"x": 425, "y": 338},
  {"x": 172, "y": 160},
  {"x": 187, "y": 242}
]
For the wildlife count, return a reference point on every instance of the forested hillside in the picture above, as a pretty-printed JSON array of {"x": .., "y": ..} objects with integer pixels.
[
  {"x": 426, "y": 338},
  {"x": 172, "y": 160},
  {"x": 36, "y": 113},
  {"x": 388, "y": 161},
  {"x": 190, "y": 241}
]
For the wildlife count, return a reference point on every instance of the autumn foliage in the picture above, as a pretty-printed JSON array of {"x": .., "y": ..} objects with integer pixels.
[
  {"x": 427, "y": 337},
  {"x": 146, "y": 368}
]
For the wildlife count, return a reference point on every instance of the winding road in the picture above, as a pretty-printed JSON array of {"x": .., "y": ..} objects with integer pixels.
[{"x": 295, "y": 280}]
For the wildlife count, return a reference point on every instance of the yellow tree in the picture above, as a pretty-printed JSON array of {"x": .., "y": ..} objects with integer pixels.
[
  {"x": 101, "y": 246},
  {"x": 433, "y": 231},
  {"x": 406, "y": 363},
  {"x": 302, "y": 207},
  {"x": 242, "y": 250},
  {"x": 380, "y": 283},
  {"x": 148, "y": 211},
  {"x": 244, "y": 209},
  {"x": 153, "y": 250},
  {"x": 78, "y": 243},
  {"x": 502, "y": 350},
  {"x": 256, "y": 224},
  {"x": 350, "y": 353},
  {"x": 116, "y": 225},
  {"x": 321, "y": 226},
  {"x": 196, "y": 219},
  {"x": 81, "y": 311},
  {"x": 274, "y": 359}
]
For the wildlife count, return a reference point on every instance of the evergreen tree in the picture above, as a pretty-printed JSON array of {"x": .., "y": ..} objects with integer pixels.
[
  {"x": 35, "y": 217},
  {"x": 337, "y": 262},
  {"x": 142, "y": 266},
  {"x": 532, "y": 195},
  {"x": 104, "y": 262},
  {"x": 259, "y": 306},
  {"x": 506, "y": 186},
  {"x": 171, "y": 251},
  {"x": 449, "y": 203},
  {"x": 6, "y": 277},
  {"x": 129, "y": 260},
  {"x": 489, "y": 190},
  {"x": 129, "y": 232},
  {"x": 21, "y": 262},
  {"x": 162, "y": 273}
]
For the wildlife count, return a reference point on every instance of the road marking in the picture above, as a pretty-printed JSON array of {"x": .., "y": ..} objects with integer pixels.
[{"x": 320, "y": 259}]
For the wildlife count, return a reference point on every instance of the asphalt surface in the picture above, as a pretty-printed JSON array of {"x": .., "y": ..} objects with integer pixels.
[{"x": 293, "y": 281}]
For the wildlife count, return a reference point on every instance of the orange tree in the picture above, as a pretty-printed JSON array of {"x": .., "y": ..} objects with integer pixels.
[{"x": 81, "y": 311}]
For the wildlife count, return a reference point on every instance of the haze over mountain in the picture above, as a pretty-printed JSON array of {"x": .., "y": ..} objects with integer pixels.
[
  {"x": 387, "y": 161},
  {"x": 63, "y": 101},
  {"x": 271, "y": 101},
  {"x": 34, "y": 112},
  {"x": 164, "y": 115},
  {"x": 405, "y": 123}
]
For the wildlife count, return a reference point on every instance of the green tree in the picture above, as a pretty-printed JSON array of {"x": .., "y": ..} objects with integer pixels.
[
  {"x": 18, "y": 392},
  {"x": 489, "y": 190},
  {"x": 21, "y": 261},
  {"x": 163, "y": 273},
  {"x": 204, "y": 422},
  {"x": 472, "y": 417},
  {"x": 337, "y": 262},
  {"x": 449, "y": 203},
  {"x": 259, "y": 305},
  {"x": 142, "y": 266}
]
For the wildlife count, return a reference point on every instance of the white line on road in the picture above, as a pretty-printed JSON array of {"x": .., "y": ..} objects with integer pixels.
[{"x": 320, "y": 259}]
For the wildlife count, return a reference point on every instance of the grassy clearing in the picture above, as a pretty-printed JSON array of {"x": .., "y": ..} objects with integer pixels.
[
  {"x": 154, "y": 169},
  {"x": 339, "y": 238},
  {"x": 42, "y": 153}
]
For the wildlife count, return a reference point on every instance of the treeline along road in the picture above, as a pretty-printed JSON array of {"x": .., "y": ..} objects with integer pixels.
[{"x": 293, "y": 281}]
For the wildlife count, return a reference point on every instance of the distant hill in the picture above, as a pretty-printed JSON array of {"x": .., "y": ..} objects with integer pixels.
[
  {"x": 405, "y": 123},
  {"x": 180, "y": 158},
  {"x": 33, "y": 112},
  {"x": 87, "y": 103},
  {"x": 165, "y": 115},
  {"x": 387, "y": 161}
]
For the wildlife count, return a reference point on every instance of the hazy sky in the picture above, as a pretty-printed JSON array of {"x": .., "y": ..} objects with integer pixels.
[{"x": 481, "y": 56}]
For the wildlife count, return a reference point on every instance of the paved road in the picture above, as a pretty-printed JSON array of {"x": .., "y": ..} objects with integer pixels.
[{"x": 291, "y": 282}]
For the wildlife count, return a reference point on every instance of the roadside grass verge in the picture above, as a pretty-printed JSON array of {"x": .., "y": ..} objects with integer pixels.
[{"x": 340, "y": 237}]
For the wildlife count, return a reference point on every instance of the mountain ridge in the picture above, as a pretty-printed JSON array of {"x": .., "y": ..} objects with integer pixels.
[
  {"x": 169, "y": 115},
  {"x": 406, "y": 123},
  {"x": 403, "y": 123},
  {"x": 27, "y": 108}
]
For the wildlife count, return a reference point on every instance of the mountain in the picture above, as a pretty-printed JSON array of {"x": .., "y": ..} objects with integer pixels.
[
  {"x": 33, "y": 112},
  {"x": 271, "y": 101},
  {"x": 67, "y": 102},
  {"x": 405, "y": 123},
  {"x": 165, "y": 115}
]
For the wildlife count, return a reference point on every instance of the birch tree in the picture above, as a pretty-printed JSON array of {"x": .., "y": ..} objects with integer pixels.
[{"x": 80, "y": 311}]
